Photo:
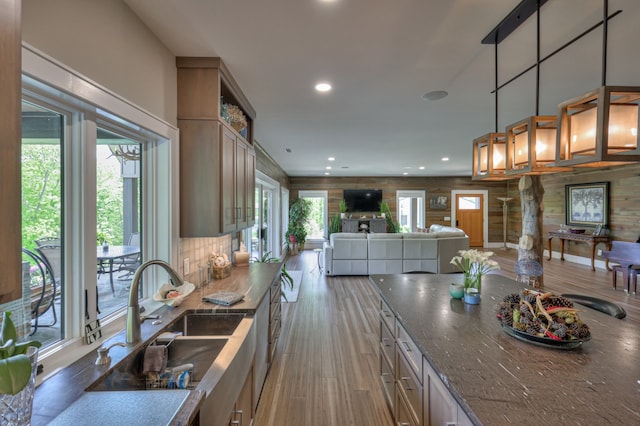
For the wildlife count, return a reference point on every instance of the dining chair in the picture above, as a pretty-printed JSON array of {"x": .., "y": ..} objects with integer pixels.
[
  {"x": 130, "y": 263},
  {"x": 44, "y": 288}
]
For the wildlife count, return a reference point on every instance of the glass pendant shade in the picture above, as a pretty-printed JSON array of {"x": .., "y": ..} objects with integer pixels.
[{"x": 599, "y": 128}]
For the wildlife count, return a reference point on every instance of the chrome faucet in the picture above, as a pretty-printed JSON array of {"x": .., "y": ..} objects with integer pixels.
[{"x": 133, "y": 311}]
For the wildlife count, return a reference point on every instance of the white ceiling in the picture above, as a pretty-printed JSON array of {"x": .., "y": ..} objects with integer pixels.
[{"x": 381, "y": 56}]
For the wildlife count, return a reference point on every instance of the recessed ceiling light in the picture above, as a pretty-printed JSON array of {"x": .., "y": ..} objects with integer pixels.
[
  {"x": 327, "y": 173},
  {"x": 328, "y": 167},
  {"x": 445, "y": 158},
  {"x": 434, "y": 95},
  {"x": 332, "y": 158},
  {"x": 323, "y": 87},
  {"x": 405, "y": 173},
  {"x": 421, "y": 167}
]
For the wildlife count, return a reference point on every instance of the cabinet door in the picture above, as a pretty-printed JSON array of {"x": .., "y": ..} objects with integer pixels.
[
  {"x": 251, "y": 186},
  {"x": 261, "y": 357},
  {"x": 443, "y": 409},
  {"x": 349, "y": 225},
  {"x": 200, "y": 178},
  {"x": 228, "y": 179},
  {"x": 241, "y": 184},
  {"x": 378, "y": 225}
]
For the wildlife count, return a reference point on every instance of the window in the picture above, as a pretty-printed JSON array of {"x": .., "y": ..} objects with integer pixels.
[
  {"x": 264, "y": 235},
  {"x": 411, "y": 210},
  {"x": 317, "y": 227},
  {"x": 42, "y": 233},
  {"x": 81, "y": 177}
]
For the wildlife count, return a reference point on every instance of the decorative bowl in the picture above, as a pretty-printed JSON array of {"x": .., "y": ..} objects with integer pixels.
[{"x": 184, "y": 290}]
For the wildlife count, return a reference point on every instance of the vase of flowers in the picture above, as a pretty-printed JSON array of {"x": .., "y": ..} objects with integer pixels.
[{"x": 474, "y": 264}]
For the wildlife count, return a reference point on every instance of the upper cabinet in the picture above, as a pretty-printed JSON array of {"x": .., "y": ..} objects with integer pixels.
[{"x": 217, "y": 158}]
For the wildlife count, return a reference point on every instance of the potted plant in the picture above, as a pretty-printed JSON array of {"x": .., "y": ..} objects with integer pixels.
[
  {"x": 385, "y": 211},
  {"x": 299, "y": 213},
  {"x": 343, "y": 208},
  {"x": 285, "y": 278},
  {"x": 17, "y": 374}
]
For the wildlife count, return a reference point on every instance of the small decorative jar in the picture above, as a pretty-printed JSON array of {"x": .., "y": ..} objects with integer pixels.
[
  {"x": 456, "y": 290},
  {"x": 471, "y": 296}
]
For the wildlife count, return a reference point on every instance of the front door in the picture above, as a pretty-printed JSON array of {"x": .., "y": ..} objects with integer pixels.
[{"x": 469, "y": 216}]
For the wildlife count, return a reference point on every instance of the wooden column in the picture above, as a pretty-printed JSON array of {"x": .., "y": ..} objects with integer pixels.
[
  {"x": 530, "y": 246},
  {"x": 10, "y": 134}
]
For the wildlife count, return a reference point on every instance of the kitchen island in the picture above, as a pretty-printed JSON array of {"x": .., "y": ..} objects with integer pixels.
[
  {"x": 494, "y": 378},
  {"x": 68, "y": 394}
]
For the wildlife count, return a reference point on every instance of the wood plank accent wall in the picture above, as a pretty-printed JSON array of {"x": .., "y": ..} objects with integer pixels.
[
  {"x": 10, "y": 130},
  {"x": 269, "y": 167},
  {"x": 624, "y": 204},
  {"x": 434, "y": 186}
]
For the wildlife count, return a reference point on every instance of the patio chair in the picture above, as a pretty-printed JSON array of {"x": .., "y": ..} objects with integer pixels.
[
  {"x": 48, "y": 241},
  {"x": 130, "y": 263},
  {"x": 44, "y": 288}
]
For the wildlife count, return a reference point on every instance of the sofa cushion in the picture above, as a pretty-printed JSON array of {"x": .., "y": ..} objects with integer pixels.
[
  {"x": 385, "y": 246},
  {"x": 420, "y": 248},
  {"x": 385, "y": 236},
  {"x": 346, "y": 235},
  {"x": 419, "y": 235}
]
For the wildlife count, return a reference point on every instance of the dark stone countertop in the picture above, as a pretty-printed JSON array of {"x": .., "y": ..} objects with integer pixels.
[
  {"x": 67, "y": 387},
  {"x": 498, "y": 379}
]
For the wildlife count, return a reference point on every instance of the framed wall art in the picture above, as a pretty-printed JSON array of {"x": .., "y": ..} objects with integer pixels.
[
  {"x": 587, "y": 204},
  {"x": 438, "y": 202}
]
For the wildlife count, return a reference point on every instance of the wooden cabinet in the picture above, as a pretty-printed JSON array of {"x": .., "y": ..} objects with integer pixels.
[
  {"x": 261, "y": 358},
  {"x": 275, "y": 317},
  {"x": 387, "y": 354},
  {"x": 364, "y": 225},
  {"x": 415, "y": 393},
  {"x": 439, "y": 406},
  {"x": 217, "y": 164},
  {"x": 243, "y": 409}
]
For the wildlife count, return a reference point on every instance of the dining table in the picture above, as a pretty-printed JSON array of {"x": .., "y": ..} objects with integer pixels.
[{"x": 109, "y": 254}]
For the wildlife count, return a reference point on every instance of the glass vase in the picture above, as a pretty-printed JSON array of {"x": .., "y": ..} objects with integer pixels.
[
  {"x": 472, "y": 281},
  {"x": 15, "y": 410}
]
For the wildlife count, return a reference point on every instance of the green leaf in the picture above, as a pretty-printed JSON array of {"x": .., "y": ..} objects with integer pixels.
[
  {"x": 15, "y": 373},
  {"x": 8, "y": 331}
]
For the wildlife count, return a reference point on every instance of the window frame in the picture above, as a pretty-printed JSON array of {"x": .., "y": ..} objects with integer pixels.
[{"x": 89, "y": 105}]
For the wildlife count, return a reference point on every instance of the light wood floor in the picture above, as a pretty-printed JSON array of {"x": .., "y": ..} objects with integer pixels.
[{"x": 326, "y": 367}]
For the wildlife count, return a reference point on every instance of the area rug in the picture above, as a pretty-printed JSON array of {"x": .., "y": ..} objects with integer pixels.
[{"x": 289, "y": 294}]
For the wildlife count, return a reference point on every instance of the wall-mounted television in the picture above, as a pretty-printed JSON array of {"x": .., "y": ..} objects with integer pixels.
[{"x": 363, "y": 200}]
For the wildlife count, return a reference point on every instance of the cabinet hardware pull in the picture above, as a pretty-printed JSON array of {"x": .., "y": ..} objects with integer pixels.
[
  {"x": 385, "y": 342},
  {"x": 406, "y": 346},
  {"x": 405, "y": 380}
]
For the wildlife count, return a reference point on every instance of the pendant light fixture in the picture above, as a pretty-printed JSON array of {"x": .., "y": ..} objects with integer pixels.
[
  {"x": 489, "y": 157},
  {"x": 599, "y": 128},
  {"x": 531, "y": 146}
]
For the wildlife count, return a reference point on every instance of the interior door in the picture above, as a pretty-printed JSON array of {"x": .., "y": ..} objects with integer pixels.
[{"x": 469, "y": 217}]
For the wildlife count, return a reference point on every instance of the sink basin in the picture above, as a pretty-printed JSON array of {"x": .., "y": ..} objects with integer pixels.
[
  {"x": 201, "y": 352},
  {"x": 208, "y": 324}
]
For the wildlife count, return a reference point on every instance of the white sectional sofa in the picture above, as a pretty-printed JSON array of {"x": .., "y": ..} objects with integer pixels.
[{"x": 349, "y": 253}]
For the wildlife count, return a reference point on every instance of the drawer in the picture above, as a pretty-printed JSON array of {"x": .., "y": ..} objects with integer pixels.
[
  {"x": 387, "y": 344},
  {"x": 403, "y": 412},
  {"x": 388, "y": 380},
  {"x": 387, "y": 315},
  {"x": 276, "y": 309},
  {"x": 409, "y": 386},
  {"x": 410, "y": 350}
]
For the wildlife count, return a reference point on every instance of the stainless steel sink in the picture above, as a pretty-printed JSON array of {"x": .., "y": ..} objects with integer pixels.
[
  {"x": 209, "y": 324},
  {"x": 201, "y": 352}
]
